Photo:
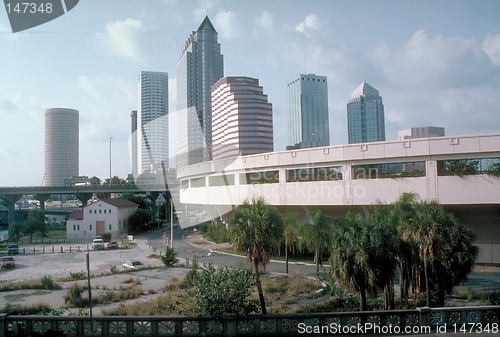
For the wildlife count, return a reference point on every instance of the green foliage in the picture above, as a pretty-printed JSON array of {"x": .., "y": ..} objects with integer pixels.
[
  {"x": 48, "y": 283},
  {"x": 113, "y": 269},
  {"x": 79, "y": 275},
  {"x": 494, "y": 169},
  {"x": 494, "y": 298},
  {"x": 106, "y": 237},
  {"x": 215, "y": 232},
  {"x": 35, "y": 223},
  {"x": 138, "y": 221},
  {"x": 170, "y": 257},
  {"x": 215, "y": 291},
  {"x": 15, "y": 231},
  {"x": 315, "y": 235},
  {"x": 75, "y": 296},
  {"x": 461, "y": 167}
]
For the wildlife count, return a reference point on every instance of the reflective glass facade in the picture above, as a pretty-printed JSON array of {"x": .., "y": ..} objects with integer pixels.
[
  {"x": 308, "y": 123},
  {"x": 200, "y": 66},
  {"x": 365, "y": 116},
  {"x": 152, "y": 121}
]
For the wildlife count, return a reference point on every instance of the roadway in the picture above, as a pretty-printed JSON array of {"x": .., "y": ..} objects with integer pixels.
[{"x": 187, "y": 251}]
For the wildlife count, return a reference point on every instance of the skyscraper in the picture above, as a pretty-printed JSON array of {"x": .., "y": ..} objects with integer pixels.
[
  {"x": 365, "y": 115},
  {"x": 152, "y": 121},
  {"x": 242, "y": 118},
  {"x": 308, "y": 124},
  {"x": 200, "y": 66},
  {"x": 61, "y": 145}
]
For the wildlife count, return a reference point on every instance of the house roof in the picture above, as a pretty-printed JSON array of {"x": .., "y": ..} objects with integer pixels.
[
  {"x": 119, "y": 203},
  {"x": 76, "y": 215}
]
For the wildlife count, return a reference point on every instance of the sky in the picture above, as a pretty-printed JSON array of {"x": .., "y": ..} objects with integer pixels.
[{"x": 434, "y": 62}]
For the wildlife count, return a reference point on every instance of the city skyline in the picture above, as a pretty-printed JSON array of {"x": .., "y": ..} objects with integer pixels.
[{"x": 435, "y": 62}]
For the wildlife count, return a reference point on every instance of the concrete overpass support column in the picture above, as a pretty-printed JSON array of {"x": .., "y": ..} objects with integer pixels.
[
  {"x": 282, "y": 182},
  {"x": 153, "y": 196},
  {"x": 431, "y": 180},
  {"x": 347, "y": 178},
  {"x": 42, "y": 198},
  {"x": 11, "y": 201}
]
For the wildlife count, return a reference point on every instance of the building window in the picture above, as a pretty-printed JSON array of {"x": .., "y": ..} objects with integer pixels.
[
  {"x": 95, "y": 211},
  {"x": 109, "y": 211},
  {"x": 90, "y": 227},
  {"x": 74, "y": 227},
  {"x": 90, "y": 211},
  {"x": 100, "y": 211},
  {"x": 104, "y": 211},
  {"x": 109, "y": 226},
  {"x": 77, "y": 227}
]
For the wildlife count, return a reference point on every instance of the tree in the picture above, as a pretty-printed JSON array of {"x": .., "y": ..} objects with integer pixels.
[
  {"x": 316, "y": 235},
  {"x": 95, "y": 181},
  {"x": 290, "y": 235},
  {"x": 426, "y": 229},
  {"x": 350, "y": 255},
  {"x": 258, "y": 229},
  {"x": 35, "y": 223},
  {"x": 138, "y": 221},
  {"x": 385, "y": 247},
  {"x": 215, "y": 291}
]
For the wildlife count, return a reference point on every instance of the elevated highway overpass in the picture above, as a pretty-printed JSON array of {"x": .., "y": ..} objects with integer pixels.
[{"x": 462, "y": 173}]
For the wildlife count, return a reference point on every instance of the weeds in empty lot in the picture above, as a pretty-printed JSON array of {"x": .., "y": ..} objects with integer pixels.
[{"x": 46, "y": 282}]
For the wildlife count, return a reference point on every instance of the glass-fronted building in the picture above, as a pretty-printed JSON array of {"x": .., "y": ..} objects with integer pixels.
[
  {"x": 308, "y": 122},
  {"x": 200, "y": 66},
  {"x": 365, "y": 116},
  {"x": 152, "y": 121}
]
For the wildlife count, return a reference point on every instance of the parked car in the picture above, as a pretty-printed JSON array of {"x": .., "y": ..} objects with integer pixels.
[
  {"x": 7, "y": 262},
  {"x": 97, "y": 244},
  {"x": 12, "y": 249},
  {"x": 113, "y": 245},
  {"x": 134, "y": 265}
]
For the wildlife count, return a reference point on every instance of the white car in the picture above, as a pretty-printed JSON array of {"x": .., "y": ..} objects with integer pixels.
[{"x": 134, "y": 265}]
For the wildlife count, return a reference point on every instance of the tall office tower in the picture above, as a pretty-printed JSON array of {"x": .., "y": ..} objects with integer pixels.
[
  {"x": 365, "y": 115},
  {"x": 133, "y": 141},
  {"x": 308, "y": 124},
  {"x": 61, "y": 145},
  {"x": 242, "y": 118},
  {"x": 152, "y": 121},
  {"x": 200, "y": 66},
  {"x": 421, "y": 132}
]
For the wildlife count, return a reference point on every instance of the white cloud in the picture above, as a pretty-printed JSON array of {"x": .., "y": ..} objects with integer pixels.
[
  {"x": 265, "y": 21},
  {"x": 128, "y": 39},
  {"x": 227, "y": 24},
  {"x": 311, "y": 23},
  {"x": 491, "y": 46}
]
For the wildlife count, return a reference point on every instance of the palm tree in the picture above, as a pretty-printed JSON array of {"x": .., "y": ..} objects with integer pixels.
[
  {"x": 426, "y": 229},
  {"x": 290, "y": 235},
  {"x": 351, "y": 255},
  {"x": 257, "y": 228},
  {"x": 316, "y": 235},
  {"x": 385, "y": 245}
]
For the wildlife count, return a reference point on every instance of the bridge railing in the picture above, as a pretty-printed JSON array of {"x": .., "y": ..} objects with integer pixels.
[{"x": 419, "y": 321}]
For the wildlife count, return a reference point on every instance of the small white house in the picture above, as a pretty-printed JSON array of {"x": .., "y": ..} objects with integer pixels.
[{"x": 101, "y": 216}]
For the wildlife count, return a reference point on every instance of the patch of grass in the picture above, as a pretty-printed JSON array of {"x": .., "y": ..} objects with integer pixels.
[{"x": 45, "y": 282}]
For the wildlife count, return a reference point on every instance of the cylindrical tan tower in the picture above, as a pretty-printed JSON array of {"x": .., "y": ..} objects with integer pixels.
[{"x": 61, "y": 145}]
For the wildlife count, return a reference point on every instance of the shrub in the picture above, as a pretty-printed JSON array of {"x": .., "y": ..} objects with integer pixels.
[
  {"x": 215, "y": 232},
  {"x": 48, "y": 283},
  {"x": 74, "y": 296},
  {"x": 170, "y": 257},
  {"x": 106, "y": 237},
  {"x": 215, "y": 291}
]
